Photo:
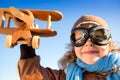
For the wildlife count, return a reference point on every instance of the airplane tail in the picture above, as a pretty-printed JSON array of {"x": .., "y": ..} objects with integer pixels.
[{"x": 22, "y": 18}]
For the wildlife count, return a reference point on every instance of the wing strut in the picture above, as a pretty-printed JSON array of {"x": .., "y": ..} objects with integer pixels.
[
  {"x": 3, "y": 19},
  {"x": 49, "y": 22}
]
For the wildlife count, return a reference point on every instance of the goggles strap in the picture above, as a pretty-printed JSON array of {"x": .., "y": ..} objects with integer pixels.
[{"x": 86, "y": 22}]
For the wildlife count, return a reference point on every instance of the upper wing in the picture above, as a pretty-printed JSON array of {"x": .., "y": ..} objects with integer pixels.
[
  {"x": 39, "y": 14},
  {"x": 43, "y": 14}
]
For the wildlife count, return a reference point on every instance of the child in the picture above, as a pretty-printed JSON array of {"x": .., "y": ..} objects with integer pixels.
[{"x": 91, "y": 56}]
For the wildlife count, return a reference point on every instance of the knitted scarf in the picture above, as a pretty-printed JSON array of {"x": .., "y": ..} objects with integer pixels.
[{"x": 111, "y": 61}]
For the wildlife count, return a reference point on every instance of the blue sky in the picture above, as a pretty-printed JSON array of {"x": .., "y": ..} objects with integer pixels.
[{"x": 52, "y": 48}]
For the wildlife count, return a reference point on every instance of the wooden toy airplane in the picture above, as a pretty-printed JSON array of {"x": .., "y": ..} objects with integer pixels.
[{"x": 27, "y": 32}]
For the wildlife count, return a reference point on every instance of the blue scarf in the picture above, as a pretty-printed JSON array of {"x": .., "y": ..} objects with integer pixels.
[{"x": 74, "y": 70}]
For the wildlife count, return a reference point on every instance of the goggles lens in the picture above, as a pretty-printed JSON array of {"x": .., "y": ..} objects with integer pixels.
[
  {"x": 98, "y": 36},
  {"x": 79, "y": 36}
]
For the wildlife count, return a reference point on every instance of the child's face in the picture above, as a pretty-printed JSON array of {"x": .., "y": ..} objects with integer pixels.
[{"x": 89, "y": 53}]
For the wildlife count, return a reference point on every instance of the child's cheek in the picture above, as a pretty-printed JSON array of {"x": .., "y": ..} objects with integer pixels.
[{"x": 103, "y": 51}]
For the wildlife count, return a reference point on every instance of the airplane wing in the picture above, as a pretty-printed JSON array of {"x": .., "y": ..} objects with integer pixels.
[
  {"x": 43, "y": 32},
  {"x": 43, "y": 15},
  {"x": 39, "y": 32},
  {"x": 8, "y": 31},
  {"x": 39, "y": 14}
]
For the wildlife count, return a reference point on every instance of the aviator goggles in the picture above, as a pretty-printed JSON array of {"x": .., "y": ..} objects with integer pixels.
[{"x": 97, "y": 34}]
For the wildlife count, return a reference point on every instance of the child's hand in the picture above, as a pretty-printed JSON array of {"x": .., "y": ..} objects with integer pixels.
[{"x": 26, "y": 51}]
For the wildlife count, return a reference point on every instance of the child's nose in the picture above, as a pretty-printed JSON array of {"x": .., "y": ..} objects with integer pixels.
[{"x": 88, "y": 43}]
